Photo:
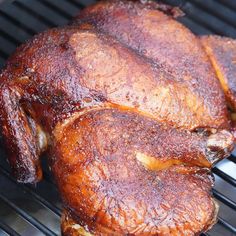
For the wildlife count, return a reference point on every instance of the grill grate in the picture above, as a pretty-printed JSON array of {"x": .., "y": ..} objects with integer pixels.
[{"x": 29, "y": 210}]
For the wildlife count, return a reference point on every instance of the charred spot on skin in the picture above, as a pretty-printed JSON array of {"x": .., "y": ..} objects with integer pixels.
[
  {"x": 204, "y": 131},
  {"x": 64, "y": 46},
  {"x": 99, "y": 97},
  {"x": 58, "y": 97},
  {"x": 27, "y": 108},
  {"x": 43, "y": 121},
  {"x": 15, "y": 65}
]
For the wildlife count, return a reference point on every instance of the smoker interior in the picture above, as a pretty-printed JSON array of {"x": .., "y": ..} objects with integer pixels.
[{"x": 35, "y": 210}]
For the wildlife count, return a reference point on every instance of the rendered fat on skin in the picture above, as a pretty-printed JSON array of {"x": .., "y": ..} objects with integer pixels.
[{"x": 133, "y": 117}]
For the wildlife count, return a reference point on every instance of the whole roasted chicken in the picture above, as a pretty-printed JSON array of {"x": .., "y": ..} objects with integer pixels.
[{"x": 133, "y": 109}]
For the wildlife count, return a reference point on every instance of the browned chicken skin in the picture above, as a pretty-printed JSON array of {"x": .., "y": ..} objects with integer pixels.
[
  {"x": 222, "y": 53},
  {"x": 128, "y": 104}
]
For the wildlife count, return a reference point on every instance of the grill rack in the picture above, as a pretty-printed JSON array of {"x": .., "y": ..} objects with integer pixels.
[{"x": 35, "y": 210}]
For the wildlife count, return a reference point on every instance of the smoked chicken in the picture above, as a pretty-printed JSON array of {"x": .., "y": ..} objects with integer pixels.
[{"x": 133, "y": 110}]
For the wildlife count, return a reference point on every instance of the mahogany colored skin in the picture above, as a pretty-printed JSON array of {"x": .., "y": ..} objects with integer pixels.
[
  {"x": 133, "y": 116},
  {"x": 108, "y": 189},
  {"x": 222, "y": 53},
  {"x": 166, "y": 44}
]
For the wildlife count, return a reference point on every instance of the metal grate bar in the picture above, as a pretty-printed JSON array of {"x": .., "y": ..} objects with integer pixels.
[
  {"x": 8, "y": 229},
  {"x": 232, "y": 158},
  {"x": 14, "y": 32},
  {"x": 53, "y": 208},
  {"x": 224, "y": 176},
  {"x": 212, "y": 7},
  {"x": 30, "y": 219},
  {"x": 194, "y": 26},
  {"x": 3, "y": 54},
  {"x": 76, "y": 4},
  {"x": 207, "y": 20},
  {"x": 45, "y": 12},
  {"x": 32, "y": 23},
  {"x": 64, "y": 6},
  {"x": 17, "y": 222},
  {"x": 30, "y": 11},
  {"x": 226, "y": 225},
  {"x": 224, "y": 199},
  {"x": 85, "y": 2},
  {"x": 202, "y": 18},
  {"x": 37, "y": 197},
  {"x": 2, "y": 62},
  {"x": 9, "y": 47},
  {"x": 9, "y": 38},
  {"x": 56, "y": 8},
  {"x": 18, "y": 23},
  {"x": 230, "y": 3}
]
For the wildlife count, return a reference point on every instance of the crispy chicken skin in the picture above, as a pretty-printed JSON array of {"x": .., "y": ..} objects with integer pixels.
[
  {"x": 126, "y": 173},
  {"x": 130, "y": 107},
  {"x": 144, "y": 30},
  {"x": 222, "y": 53}
]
